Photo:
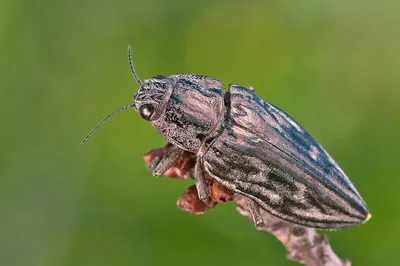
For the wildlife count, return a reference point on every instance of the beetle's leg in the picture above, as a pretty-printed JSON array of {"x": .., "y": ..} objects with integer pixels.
[
  {"x": 255, "y": 212},
  {"x": 251, "y": 88},
  {"x": 201, "y": 183},
  {"x": 159, "y": 167}
]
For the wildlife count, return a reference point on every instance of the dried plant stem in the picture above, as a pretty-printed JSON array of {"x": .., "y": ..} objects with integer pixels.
[{"x": 303, "y": 245}]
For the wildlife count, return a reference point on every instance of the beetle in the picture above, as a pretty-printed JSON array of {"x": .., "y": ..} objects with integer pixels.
[{"x": 248, "y": 145}]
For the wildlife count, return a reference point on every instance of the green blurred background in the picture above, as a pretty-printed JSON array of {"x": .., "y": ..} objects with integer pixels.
[{"x": 333, "y": 65}]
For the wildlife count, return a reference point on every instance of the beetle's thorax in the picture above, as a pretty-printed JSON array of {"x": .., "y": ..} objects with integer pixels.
[{"x": 193, "y": 111}]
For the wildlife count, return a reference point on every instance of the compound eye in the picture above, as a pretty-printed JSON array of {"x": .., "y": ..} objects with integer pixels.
[{"x": 146, "y": 111}]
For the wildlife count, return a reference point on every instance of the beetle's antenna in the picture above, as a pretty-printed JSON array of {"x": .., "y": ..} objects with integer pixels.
[
  {"x": 131, "y": 66},
  {"x": 105, "y": 119}
]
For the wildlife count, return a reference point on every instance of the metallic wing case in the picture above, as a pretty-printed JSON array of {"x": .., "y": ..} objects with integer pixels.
[{"x": 265, "y": 155}]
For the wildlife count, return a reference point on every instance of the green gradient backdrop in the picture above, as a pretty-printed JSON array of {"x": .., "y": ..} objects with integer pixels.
[{"x": 334, "y": 66}]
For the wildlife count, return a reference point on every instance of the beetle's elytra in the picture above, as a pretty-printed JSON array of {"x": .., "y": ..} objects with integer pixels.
[{"x": 249, "y": 146}]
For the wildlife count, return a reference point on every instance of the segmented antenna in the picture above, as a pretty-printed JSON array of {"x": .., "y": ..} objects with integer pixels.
[
  {"x": 131, "y": 66},
  {"x": 105, "y": 119},
  {"x": 123, "y": 107}
]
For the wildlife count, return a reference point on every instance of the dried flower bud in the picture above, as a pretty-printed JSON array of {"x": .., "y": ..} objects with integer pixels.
[
  {"x": 219, "y": 193},
  {"x": 189, "y": 202}
]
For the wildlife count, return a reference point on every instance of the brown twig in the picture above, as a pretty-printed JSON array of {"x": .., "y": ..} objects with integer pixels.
[{"x": 303, "y": 245}]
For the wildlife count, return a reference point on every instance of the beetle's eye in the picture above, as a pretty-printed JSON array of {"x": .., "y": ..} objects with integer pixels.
[{"x": 146, "y": 111}]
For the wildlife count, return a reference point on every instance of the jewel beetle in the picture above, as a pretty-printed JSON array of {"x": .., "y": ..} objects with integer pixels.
[{"x": 248, "y": 145}]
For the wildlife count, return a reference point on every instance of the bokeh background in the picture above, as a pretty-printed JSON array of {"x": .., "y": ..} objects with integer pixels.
[{"x": 333, "y": 65}]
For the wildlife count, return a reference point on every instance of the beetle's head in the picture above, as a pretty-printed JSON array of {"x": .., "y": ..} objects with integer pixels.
[{"x": 150, "y": 101}]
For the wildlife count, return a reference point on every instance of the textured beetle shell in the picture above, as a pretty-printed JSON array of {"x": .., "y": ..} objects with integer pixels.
[
  {"x": 253, "y": 148},
  {"x": 192, "y": 112},
  {"x": 264, "y": 154}
]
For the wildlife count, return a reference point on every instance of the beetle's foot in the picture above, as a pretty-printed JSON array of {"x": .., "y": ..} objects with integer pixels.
[
  {"x": 190, "y": 202},
  {"x": 151, "y": 156},
  {"x": 255, "y": 212},
  {"x": 201, "y": 182},
  {"x": 154, "y": 163},
  {"x": 167, "y": 161}
]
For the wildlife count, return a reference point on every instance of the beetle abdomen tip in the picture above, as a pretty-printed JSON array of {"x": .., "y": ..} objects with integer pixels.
[{"x": 369, "y": 216}]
